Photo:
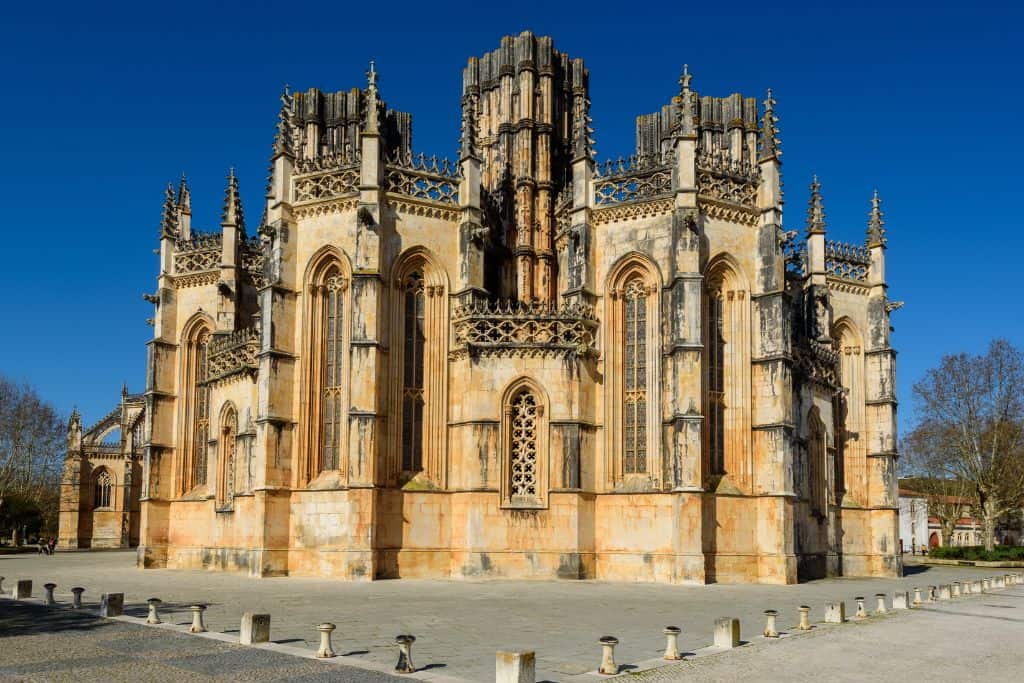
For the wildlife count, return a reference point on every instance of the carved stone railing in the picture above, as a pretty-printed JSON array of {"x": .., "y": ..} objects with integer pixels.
[
  {"x": 253, "y": 261},
  {"x": 631, "y": 180},
  {"x": 327, "y": 162},
  {"x": 422, "y": 177},
  {"x": 231, "y": 354},
  {"x": 198, "y": 254},
  {"x": 517, "y": 328},
  {"x": 721, "y": 178},
  {"x": 330, "y": 184},
  {"x": 817, "y": 363},
  {"x": 847, "y": 261}
]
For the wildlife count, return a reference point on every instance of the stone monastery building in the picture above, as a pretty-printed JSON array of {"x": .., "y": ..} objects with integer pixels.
[{"x": 522, "y": 363}]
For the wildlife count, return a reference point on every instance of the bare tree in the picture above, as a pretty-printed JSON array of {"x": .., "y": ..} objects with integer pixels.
[
  {"x": 947, "y": 498},
  {"x": 971, "y": 420},
  {"x": 32, "y": 437}
]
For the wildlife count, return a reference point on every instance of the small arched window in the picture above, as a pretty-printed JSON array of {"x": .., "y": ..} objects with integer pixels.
[
  {"x": 524, "y": 430},
  {"x": 226, "y": 460},
  {"x": 103, "y": 490}
]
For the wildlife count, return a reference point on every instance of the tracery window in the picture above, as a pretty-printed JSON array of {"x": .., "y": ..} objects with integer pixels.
[
  {"x": 332, "y": 399},
  {"x": 201, "y": 425},
  {"x": 103, "y": 489},
  {"x": 817, "y": 470},
  {"x": 523, "y": 483},
  {"x": 716, "y": 382},
  {"x": 634, "y": 408},
  {"x": 226, "y": 462},
  {"x": 414, "y": 342}
]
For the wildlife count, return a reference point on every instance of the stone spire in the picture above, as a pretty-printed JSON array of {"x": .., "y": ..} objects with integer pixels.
[
  {"x": 686, "y": 121},
  {"x": 876, "y": 225},
  {"x": 372, "y": 100},
  {"x": 467, "y": 142},
  {"x": 184, "y": 195},
  {"x": 169, "y": 217},
  {"x": 283, "y": 134},
  {"x": 815, "y": 210},
  {"x": 232, "y": 213},
  {"x": 770, "y": 145}
]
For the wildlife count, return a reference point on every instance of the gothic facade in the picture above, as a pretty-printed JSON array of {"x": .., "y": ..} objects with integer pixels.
[
  {"x": 101, "y": 483},
  {"x": 522, "y": 363}
]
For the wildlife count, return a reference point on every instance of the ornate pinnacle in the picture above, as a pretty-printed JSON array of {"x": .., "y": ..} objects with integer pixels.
[
  {"x": 467, "y": 144},
  {"x": 686, "y": 105},
  {"x": 771, "y": 148},
  {"x": 372, "y": 100},
  {"x": 582, "y": 143},
  {"x": 232, "y": 214},
  {"x": 184, "y": 195},
  {"x": 815, "y": 210},
  {"x": 283, "y": 133},
  {"x": 169, "y": 217},
  {"x": 876, "y": 226}
]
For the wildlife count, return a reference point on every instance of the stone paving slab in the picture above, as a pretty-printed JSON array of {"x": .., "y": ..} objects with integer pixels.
[{"x": 460, "y": 624}]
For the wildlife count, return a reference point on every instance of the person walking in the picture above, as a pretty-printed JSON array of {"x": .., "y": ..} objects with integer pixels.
[{"x": 52, "y": 544}]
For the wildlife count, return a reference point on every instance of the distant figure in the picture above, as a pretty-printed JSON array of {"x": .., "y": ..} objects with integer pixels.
[
  {"x": 42, "y": 546},
  {"x": 52, "y": 544}
]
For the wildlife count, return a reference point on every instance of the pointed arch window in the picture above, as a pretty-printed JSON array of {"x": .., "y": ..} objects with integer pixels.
[
  {"x": 414, "y": 346},
  {"x": 634, "y": 400},
  {"x": 333, "y": 381},
  {"x": 102, "y": 494},
  {"x": 522, "y": 484},
  {"x": 817, "y": 470},
  {"x": 716, "y": 347},
  {"x": 202, "y": 426}
]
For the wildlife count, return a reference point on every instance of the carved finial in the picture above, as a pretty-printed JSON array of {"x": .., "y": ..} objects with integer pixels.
[
  {"x": 75, "y": 419},
  {"x": 169, "y": 217},
  {"x": 284, "y": 131},
  {"x": 686, "y": 114},
  {"x": 371, "y": 75},
  {"x": 771, "y": 148},
  {"x": 124, "y": 390},
  {"x": 184, "y": 195},
  {"x": 876, "y": 225},
  {"x": 815, "y": 210},
  {"x": 583, "y": 144},
  {"x": 467, "y": 144},
  {"x": 685, "y": 78},
  {"x": 232, "y": 214}
]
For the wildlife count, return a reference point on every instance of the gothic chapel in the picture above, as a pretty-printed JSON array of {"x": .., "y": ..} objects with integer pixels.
[{"x": 522, "y": 363}]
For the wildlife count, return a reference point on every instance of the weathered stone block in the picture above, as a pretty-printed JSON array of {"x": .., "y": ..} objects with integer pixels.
[
  {"x": 835, "y": 612},
  {"x": 255, "y": 629},
  {"x": 112, "y": 604},
  {"x": 515, "y": 667},
  {"x": 727, "y": 632},
  {"x": 900, "y": 600},
  {"x": 22, "y": 589}
]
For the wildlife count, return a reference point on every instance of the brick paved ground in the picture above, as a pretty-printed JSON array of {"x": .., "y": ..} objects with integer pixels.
[{"x": 460, "y": 624}]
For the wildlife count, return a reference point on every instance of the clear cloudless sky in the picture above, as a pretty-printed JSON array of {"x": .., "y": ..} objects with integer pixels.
[{"x": 103, "y": 103}]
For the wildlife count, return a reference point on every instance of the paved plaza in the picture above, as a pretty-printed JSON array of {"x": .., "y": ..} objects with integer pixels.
[{"x": 460, "y": 624}]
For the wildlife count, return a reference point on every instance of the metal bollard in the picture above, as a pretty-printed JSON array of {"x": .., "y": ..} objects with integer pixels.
[
  {"x": 880, "y": 603},
  {"x": 153, "y": 617},
  {"x": 325, "y": 650},
  {"x": 672, "y": 642},
  {"x": 861, "y": 613},
  {"x": 49, "y": 593},
  {"x": 405, "y": 665},
  {"x": 805, "y": 618},
  {"x": 608, "y": 665},
  {"x": 77, "y": 601},
  {"x": 197, "y": 619}
]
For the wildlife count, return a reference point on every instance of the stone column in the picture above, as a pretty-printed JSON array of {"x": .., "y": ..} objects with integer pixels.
[{"x": 515, "y": 667}]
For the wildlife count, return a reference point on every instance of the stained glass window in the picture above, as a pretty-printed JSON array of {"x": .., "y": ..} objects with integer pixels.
[{"x": 412, "y": 382}]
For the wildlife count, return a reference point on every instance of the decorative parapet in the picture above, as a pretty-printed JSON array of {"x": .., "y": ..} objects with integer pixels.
[
  {"x": 517, "y": 328},
  {"x": 327, "y": 162},
  {"x": 720, "y": 178},
  {"x": 639, "y": 178},
  {"x": 199, "y": 254},
  {"x": 422, "y": 177},
  {"x": 229, "y": 355},
  {"x": 848, "y": 262},
  {"x": 327, "y": 184}
]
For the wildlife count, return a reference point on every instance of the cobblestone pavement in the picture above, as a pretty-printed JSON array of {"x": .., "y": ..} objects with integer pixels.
[{"x": 460, "y": 624}]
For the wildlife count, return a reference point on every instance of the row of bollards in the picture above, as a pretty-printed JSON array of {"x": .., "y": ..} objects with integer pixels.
[{"x": 519, "y": 667}]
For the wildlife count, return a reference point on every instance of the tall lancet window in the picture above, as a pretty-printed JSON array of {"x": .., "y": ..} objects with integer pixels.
[
  {"x": 414, "y": 343},
  {"x": 201, "y": 436},
  {"x": 716, "y": 380},
  {"x": 332, "y": 398},
  {"x": 634, "y": 408},
  {"x": 103, "y": 490}
]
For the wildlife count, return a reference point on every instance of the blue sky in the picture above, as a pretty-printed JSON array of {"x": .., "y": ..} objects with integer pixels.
[{"x": 103, "y": 104}]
